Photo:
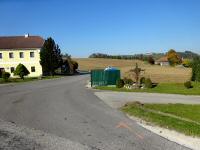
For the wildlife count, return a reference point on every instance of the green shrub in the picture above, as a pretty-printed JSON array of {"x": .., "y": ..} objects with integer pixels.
[
  {"x": 5, "y": 76},
  {"x": 75, "y": 66},
  {"x": 21, "y": 71},
  {"x": 195, "y": 69},
  {"x": 187, "y": 63},
  {"x": 142, "y": 80},
  {"x": 128, "y": 81},
  {"x": 188, "y": 84},
  {"x": 151, "y": 60},
  {"x": 120, "y": 83},
  {"x": 148, "y": 83}
]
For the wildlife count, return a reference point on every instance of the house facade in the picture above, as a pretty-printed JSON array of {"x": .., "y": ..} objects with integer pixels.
[
  {"x": 163, "y": 61},
  {"x": 21, "y": 49}
]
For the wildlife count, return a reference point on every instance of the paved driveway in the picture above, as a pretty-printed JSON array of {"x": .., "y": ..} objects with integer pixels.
[
  {"x": 118, "y": 99},
  {"x": 64, "y": 107}
]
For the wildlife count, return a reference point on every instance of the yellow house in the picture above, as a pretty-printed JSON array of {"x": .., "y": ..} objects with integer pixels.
[{"x": 21, "y": 49}]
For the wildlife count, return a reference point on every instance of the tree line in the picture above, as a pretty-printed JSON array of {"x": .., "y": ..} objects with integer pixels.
[
  {"x": 130, "y": 57},
  {"x": 144, "y": 57}
]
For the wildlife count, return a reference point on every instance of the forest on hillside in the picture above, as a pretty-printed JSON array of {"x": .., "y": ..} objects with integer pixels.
[{"x": 185, "y": 55}]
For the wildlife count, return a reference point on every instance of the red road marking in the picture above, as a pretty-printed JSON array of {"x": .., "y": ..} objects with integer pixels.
[{"x": 126, "y": 126}]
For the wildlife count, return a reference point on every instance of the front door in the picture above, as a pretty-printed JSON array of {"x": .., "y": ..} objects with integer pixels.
[{"x": 1, "y": 71}]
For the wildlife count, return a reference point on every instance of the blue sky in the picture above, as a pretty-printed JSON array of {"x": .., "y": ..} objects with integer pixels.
[{"x": 82, "y": 27}]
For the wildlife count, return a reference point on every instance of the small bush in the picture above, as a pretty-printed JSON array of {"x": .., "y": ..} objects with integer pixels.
[
  {"x": 187, "y": 63},
  {"x": 75, "y": 66},
  {"x": 120, "y": 83},
  {"x": 142, "y": 80},
  {"x": 21, "y": 71},
  {"x": 148, "y": 83},
  {"x": 5, "y": 76},
  {"x": 188, "y": 84},
  {"x": 128, "y": 81},
  {"x": 151, "y": 60}
]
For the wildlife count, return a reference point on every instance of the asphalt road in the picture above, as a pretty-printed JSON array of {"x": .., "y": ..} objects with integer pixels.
[
  {"x": 118, "y": 99},
  {"x": 64, "y": 107}
]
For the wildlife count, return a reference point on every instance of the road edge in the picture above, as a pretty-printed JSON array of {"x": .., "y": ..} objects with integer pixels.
[{"x": 171, "y": 135}]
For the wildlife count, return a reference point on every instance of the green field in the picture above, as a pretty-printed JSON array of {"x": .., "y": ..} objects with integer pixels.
[
  {"x": 169, "y": 88},
  {"x": 179, "y": 117}
]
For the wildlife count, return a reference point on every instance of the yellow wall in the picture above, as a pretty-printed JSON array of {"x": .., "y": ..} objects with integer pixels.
[{"x": 27, "y": 61}]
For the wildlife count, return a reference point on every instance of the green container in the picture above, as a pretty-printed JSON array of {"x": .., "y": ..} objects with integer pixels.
[{"x": 100, "y": 77}]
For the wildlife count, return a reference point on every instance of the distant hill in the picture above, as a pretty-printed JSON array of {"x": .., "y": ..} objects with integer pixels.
[
  {"x": 185, "y": 55},
  {"x": 188, "y": 54}
]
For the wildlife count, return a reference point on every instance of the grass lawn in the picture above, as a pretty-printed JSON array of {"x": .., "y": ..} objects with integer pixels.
[
  {"x": 179, "y": 117},
  {"x": 27, "y": 79},
  {"x": 169, "y": 88}
]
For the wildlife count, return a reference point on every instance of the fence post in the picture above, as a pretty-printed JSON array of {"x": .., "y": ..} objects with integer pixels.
[{"x": 91, "y": 78}]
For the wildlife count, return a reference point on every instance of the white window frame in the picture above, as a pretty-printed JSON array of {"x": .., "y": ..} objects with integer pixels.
[
  {"x": 33, "y": 54},
  {"x": 20, "y": 55},
  {"x": 34, "y": 69},
  {"x": 10, "y": 55}
]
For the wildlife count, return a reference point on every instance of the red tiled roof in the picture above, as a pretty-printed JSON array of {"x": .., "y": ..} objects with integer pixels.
[
  {"x": 17, "y": 42},
  {"x": 163, "y": 59}
]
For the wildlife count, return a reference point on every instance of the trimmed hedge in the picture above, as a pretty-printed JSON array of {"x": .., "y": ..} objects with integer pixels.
[
  {"x": 142, "y": 80},
  {"x": 148, "y": 83},
  {"x": 128, "y": 81},
  {"x": 21, "y": 71},
  {"x": 188, "y": 84},
  {"x": 120, "y": 83},
  {"x": 5, "y": 76}
]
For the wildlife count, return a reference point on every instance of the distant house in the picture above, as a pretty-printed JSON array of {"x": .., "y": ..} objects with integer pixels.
[
  {"x": 21, "y": 49},
  {"x": 163, "y": 61}
]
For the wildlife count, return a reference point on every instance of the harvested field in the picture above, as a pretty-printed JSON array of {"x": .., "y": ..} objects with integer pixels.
[{"x": 155, "y": 72}]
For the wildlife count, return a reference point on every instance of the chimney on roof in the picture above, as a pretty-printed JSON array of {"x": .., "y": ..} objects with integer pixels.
[{"x": 26, "y": 35}]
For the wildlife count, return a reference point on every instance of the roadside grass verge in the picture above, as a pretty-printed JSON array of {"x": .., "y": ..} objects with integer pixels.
[
  {"x": 168, "y": 88},
  {"x": 179, "y": 117},
  {"x": 27, "y": 79}
]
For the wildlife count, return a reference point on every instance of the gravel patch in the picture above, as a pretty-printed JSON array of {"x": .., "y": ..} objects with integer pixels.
[{"x": 13, "y": 137}]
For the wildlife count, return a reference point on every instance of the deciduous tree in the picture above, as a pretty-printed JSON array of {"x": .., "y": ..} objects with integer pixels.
[{"x": 173, "y": 57}]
